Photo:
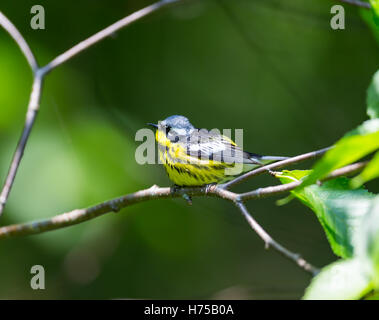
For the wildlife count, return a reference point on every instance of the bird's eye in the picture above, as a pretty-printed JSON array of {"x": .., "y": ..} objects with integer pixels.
[{"x": 168, "y": 128}]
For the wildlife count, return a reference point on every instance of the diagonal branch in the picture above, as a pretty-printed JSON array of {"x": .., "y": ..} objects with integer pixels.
[
  {"x": 279, "y": 189},
  {"x": 275, "y": 165},
  {"x": 85, "y": 44},
  {"x": 16, "y": 35},
  {"x": 358, "y": 3},
  {"x": 40, "y": 72},
  {"x": 31, "y": 111},
  {"x": 269, "y": 241},
  {"x": 80, "y": 215},
  {"x": 31, "y": 115}
]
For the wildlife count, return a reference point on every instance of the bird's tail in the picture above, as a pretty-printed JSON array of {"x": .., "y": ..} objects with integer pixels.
[
  {"x": 272, "y": 158},
  {"x": 262, "y": 160}
]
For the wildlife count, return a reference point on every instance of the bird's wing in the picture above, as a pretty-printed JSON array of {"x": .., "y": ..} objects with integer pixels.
[{"x": 206, "y": 145}]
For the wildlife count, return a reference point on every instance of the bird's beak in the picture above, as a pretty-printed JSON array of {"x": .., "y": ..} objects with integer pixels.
[{"x": 153, "y": 125}]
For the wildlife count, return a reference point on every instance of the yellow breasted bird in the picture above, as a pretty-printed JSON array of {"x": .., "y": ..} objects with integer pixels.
[{"x": 194, "y": 157}]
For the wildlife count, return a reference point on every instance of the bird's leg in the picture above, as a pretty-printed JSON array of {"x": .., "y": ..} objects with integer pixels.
[
  {"x": 187, "y": 198},
  {"x": 175, "y": 188},
  {"x": 269, "y": 171}
]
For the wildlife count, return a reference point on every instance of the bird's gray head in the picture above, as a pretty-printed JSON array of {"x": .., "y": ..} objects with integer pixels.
[
  {"x": 177, "y": 123},
  {"x": 175, "y": 126}
]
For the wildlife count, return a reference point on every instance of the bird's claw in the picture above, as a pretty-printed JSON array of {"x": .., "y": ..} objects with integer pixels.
[{"x": 175, "y": 188}]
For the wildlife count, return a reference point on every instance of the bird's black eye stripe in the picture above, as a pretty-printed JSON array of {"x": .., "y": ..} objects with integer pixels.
[{"x": 168, "y": 128}]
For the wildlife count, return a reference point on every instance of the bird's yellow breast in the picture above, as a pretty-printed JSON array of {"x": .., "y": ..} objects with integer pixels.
[{"x": 185, "y": 170}]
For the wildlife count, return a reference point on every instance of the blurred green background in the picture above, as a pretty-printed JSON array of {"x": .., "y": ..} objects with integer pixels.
[{"x": 272, "y": 67}]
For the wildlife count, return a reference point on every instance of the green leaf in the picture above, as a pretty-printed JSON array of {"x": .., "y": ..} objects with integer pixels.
[
  {"x": 355, "y": 277},
  {"x": 369, "y": 173},
  {"x": 373, "y": 97},
  {"x": 371, "y": 19},
  {"x": 338, "y": 208},
  {"x": 375, "y": 9},
  {"x": 355, "y": 145},
  {"x": 341, "y": 280},
  {"x": 369, "y": 126},
  {"x": 369, "y": 244}
]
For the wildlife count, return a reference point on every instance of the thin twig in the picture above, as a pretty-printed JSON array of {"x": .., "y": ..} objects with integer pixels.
[
  {"x": 276, "y": 165},
  {"x": 85, "y": 44},
  {"x": 31, "y": 115},
  {"x": 16, "y": 35},
  {"x": 114, "y": 205},
  {"x": 347, "y": 170},
  {"x": 358, "y": 3},
  {"x": 269, "y": 241},
  {"x": 31, "y": 111}
]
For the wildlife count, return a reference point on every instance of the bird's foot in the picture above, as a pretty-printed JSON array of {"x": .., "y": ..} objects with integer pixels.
[
  {"x": 175, "y": 188},
  {"x": 187, "y": 198}
]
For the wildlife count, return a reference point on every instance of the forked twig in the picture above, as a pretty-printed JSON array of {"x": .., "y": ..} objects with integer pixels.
[{"x": 40, "y": 72}]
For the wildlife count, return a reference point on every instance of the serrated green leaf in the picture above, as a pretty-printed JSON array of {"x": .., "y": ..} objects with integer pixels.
[
  {"x": 373, "y": 96},
  {"x": 355, "y": 277},
  {"x": 352, "y": 147},
  {"x": 341, "y": 280},
  {"x": 338, "y": 208},
  {"x": 369, "y": 173},
  {"x": 288, "y": 176},
  {"x": 375, "y": 11},
  {"x": 369, "y": 245}
]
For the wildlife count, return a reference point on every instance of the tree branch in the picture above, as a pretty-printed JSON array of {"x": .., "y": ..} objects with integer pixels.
[
  {"x": 271, "y": 242},
  {"x": 31, "y": 111},
  {"x": 31, "y": 115},
  {"x": 276, "y": 165},
  {"x": 275, "y": 190},
  {"x": 85, "y": 44},
  {"x": 358, "y": 3},
  {"x": 16, "y": 35},
  {"x": 80, "y": 215},
  {"x": 40, "y": 72}
]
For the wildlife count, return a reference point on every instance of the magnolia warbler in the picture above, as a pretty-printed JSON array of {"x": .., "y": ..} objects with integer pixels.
[{"x": 194, "y": 157}]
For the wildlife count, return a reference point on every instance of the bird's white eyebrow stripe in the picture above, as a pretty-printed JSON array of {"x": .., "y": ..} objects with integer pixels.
[{"x": 180, "y": 131}]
